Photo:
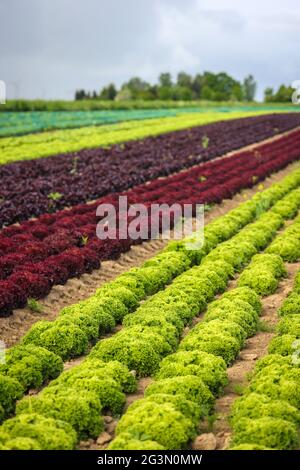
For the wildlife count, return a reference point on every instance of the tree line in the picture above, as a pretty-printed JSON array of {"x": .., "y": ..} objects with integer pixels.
[
  {"x": 207, "y": 86},
  {"x": 282, "y": 95}
]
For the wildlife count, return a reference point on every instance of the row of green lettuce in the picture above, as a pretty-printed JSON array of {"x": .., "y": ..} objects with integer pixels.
[
  {"x": 77, "y": 397},
  {"x": 40, "y": 355},
  {"x": 267, "y": 415},
  {"x": 21, "y": 123},
  {"x": 34, "y": 146},
  {"x": 28, "y": 122},
  {"x": 58, "y": 401},
  {"x": 188, "y": 382}
]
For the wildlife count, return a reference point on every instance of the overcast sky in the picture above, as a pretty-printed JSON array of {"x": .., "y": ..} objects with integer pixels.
[{"x": 48, "y": 48}]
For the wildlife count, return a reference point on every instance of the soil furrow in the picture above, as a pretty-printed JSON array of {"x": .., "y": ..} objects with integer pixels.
[{"x": 216, "y": 435}]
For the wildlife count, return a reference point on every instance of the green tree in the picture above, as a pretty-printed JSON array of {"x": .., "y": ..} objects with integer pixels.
[
  {"x": 124, "y": 95},
  {"x": 237, "y": 92},
  {"x": 165, "y": 80},
  {"x": 184, "y": 80},
  {"x": 249, "y": 88},
  {"x": 165, "y": 93},
  {"x": 268, "y": 95},
  {"x": 284, "y": 94},
  {"x": 197, "y": 85},
  {"x": 207, "y": 93},
  {"x": 109, "y": 92},
  {"x": 153, "y": 91},
  {"x": 181, "y": 93},
  {"x": 136, "y": 86},
  {"x": 80, "y": 95},
  {"x": 220, "y": 87},
  {"x": 208, "y": 86}
]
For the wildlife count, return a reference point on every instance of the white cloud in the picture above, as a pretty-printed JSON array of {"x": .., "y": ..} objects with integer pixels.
[{"x": 52, "y": 47}]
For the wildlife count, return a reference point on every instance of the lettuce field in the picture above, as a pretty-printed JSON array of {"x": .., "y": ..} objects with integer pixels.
[{"x": 143, "y": 342}]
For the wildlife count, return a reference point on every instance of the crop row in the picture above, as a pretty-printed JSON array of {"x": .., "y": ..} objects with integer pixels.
[
  {"x": 77, "y": 396},
  {"x": 148, "y": 335},
  {"x": 18, "y": 123},
  {"x": 35, "y": 146},
  {"x": 189, "y": 375},
  {"x": 267, "y": 416},
  {"x": 114, "y": 305},
  {"x": 57, "y": 247},
  {"x": 209, "y": 183},
  {"x": 33, "y": 188}
]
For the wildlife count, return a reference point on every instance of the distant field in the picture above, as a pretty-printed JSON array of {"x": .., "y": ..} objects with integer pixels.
[
  {"x": 21, "y": 123},
  {"x": 80, "y": 312},
  {"x": 98, "y": 105},
  {"x": 72, "y": 140}
]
